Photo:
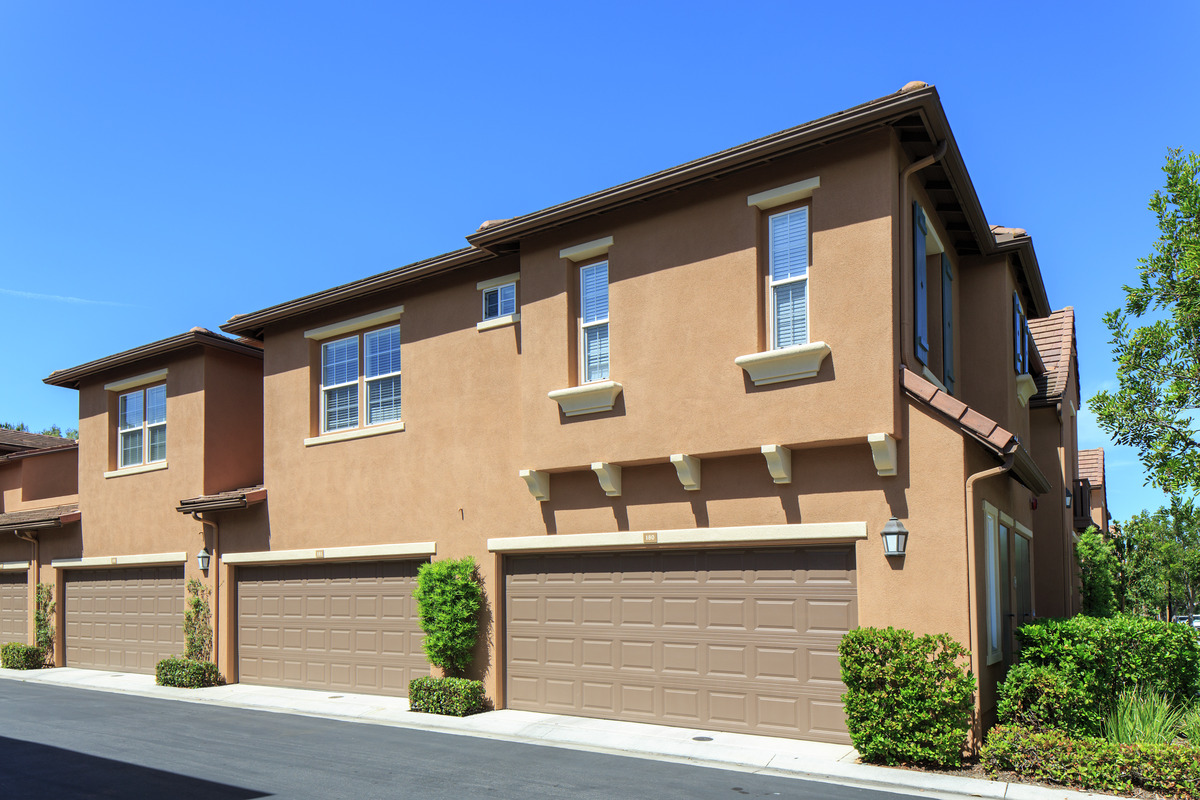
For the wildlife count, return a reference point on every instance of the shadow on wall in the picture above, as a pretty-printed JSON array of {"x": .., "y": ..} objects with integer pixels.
[
  {"x": 38, "y": 770},
  {"x": 486, "y": 645}
]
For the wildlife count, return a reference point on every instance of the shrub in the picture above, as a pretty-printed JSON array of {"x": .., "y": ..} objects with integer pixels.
[
  {"x": 1100, "y": 658},
  {"x": 907, "y": 698},
  {"x": 1090, "y": 763},
  {"x": 1043, "y": 698},
  {"x": 448, "y": 598},
  {"x": 43, "y": 619},
  {"x": 15, "y": 655},
  {"x": 456, "y": 697},
  {"x": 1097, "y": 574},
  {"x": 186, "y": 673},
  {"x": 1143, "y": 716},
  {"x": 197, "y": 628},
  {"x": 1190, "y": 727}
]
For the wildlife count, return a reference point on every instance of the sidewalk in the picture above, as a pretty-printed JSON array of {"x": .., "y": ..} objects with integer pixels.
[{"x": 811, "y": 760}]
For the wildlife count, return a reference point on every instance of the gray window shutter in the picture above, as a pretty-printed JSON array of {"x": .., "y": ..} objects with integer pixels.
[
  {"x": 947, "y": 326},
  {"x": 920, "y": 288},
  {"x": 1019, "y": 336}
]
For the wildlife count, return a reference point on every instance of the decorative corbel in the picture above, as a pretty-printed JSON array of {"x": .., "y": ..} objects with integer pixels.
[
  {"x": 883, "y": 451},
  {"x": 779, "y": 462},
  {"x": 538, "y": 483},
  {"x": 610, "y": 477},
  {"x": 688, "y": 469}
]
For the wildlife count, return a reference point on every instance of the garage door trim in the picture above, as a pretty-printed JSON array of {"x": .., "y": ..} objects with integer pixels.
[
  {"x": 14, "y": 565},
  {"x": 371, "y": 552},
  {"x": 120, "y": 561},
  {"x": 801, "y": 533}
]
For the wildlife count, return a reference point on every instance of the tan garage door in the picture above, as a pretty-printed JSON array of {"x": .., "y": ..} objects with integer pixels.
[
  {"x": 14, "y": 607},
  {"x": 125, "y": 619},
  {"x": 350, "y": 627},
  {"x": 736, "y": 640}
]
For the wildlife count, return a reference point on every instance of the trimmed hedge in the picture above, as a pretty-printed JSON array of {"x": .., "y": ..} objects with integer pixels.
[
  {"x": 908, "y": 698},
  {"x": 185, "y": 673},
  {"x": 449, "y": 597},
  {"x": 15, "y": 655},
  {"x": 1090, "y": 763},
  {"x": 455, "y": 697},
  {"x": 1089, "y": 661}
]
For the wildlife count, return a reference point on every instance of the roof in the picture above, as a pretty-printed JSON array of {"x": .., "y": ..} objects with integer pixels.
[
  {"x": 72, "y": 377},
  {"x": 23, "y": 440},
  {"x": 915, "y": 112},
  {"x": 1091, "y": 466},
  {"x": 53, "y": 517},
  {"x": 221, "y": 501},
  {"x": 1054, "y": 337},
  {"x": 1001, "y": 442},
  {"x": 67, "y": 444}
]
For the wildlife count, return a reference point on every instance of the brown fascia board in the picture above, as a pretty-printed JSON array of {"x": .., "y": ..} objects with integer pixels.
[
  {"x": 253, "y": 323},
  {"x": 72, "y": 377},
  {"x": 240, "y": 498},
  {"x": 40, "y": 452}
]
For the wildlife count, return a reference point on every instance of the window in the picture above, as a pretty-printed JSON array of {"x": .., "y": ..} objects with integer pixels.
[
  {"x": 593, "y": 321},
  {"x": 500, "y": 301},
  {"x": 343, "y": 382},
  {"x": 933, "y": 301},
  {"x": 1020, "y": 337},
  {"x": 788, "y": 268},
  {"x": 142, "y": 427},
  {"x": 991, "y": 548}
]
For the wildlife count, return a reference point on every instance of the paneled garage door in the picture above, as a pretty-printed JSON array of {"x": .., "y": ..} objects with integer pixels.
[
  {"x": 736, "y": 640},
  {"x": 14, "y": 607},
  {"x": 126, "y": 619},
  {"x": 351, "y": 626}
]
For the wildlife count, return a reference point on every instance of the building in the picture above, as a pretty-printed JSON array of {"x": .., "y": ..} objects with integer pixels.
[{"x": 670, "y": 420}]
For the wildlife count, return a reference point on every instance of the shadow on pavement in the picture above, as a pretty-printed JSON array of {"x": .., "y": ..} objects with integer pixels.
[{"x": 28, "y": 769}]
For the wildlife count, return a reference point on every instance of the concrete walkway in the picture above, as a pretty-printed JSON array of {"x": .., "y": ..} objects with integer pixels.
[{"x": 812, "y": 760}]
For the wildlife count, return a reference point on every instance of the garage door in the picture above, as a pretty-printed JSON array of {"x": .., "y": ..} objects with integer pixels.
[
  {"x": 125, "y": 619},
  {"x": 736, "y": 640},
  {"x": 350, "y": 627},
  {"x": 14, "y": 607}
]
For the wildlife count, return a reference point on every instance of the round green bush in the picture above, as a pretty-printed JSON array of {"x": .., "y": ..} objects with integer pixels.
[{"x": 1042, "y": 698}]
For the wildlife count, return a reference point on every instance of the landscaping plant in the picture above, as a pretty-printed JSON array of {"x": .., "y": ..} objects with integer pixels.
[
  {"x": 197, "y": 625},
  {"x": 43, "y": 620},
  {"x": 16, "y": 655},
  {"x": 1143, "y": 716},
  {"x": 186, "y": 673},
  {"x": 456, "y": 697},
  {"x": 908, "y": 699},
  {"x": 448, "y": 598}
]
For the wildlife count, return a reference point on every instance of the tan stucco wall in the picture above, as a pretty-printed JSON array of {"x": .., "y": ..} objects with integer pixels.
[
  {"x": 41, "y": 481},
  {"x": 233, "y": 421}
]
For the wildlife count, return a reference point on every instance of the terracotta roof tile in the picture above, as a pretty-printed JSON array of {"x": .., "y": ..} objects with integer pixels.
[
  {"x": 1054, "y": 338},
  {"x": 1091, "y": 466},
  {"x": 977, "y": 425},
  {"x": 235, "y": 498},
  {"x": 978, "y": 422},
  {"x": 37, "y": 517}
]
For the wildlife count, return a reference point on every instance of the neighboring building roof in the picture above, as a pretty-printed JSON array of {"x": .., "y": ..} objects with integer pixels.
[
  {"x": 67, "y": 444},
  {"x": 11, "y": 441},
  {"x": 1091, "y": 466},
  {"x": 53, "y": 517},
  {"x": 1002, "y": 443},
  {"x": 72, "y": 377},
  {"x": 1054, "y": 337},
  {"x": 237, "y": 498},
  {"x": 915, "y": 112}
]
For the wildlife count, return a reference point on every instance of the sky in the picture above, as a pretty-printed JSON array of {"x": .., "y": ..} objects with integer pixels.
[{"x": 167, "y": 165}]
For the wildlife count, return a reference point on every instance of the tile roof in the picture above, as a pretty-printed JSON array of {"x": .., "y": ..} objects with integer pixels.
[
  {"x": 52, "y": 517},
  {"x": 1091, "y": 466},
  {"x": 23, "y": 440},
  {"x": 235, "y": 498},
  {"x": 1054, "y": 337}
]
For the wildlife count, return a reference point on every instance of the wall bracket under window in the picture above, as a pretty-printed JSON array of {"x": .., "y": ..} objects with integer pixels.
[
  {"x": 779, "y": 462},
  {"x": 591, "y": 398},
  {"x": 1026, "y": 388},
  {"x": 538, "y": 483},
  {"x": 610, "y": 477},
  {"x": 793, "y": 363},
  {"x": 688, "y": 469},
  {"x": 883, "y": 451}
]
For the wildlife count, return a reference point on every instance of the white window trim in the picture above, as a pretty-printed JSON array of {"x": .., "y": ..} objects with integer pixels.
[
  {"x": 773, "y": 285},
  {"x": 324, "y": 389},
  {"x": 145, "y": 427},
  {"x": 498, "y": 322},
  {"x": 355, "y": 324},
  {"x": 493, "y": 283},
  {"x": 367, "y": 381},
  {"x": 993, "y": 628},
  {"x": 499, "y": 290},
  {"x": 354, "y": 433},
  {"x": 362, "y": 382},
  {"x": 584, "y": 380},
  {"x": 155, "y": 467},
  {"x": 582, "y": 252},
  {"x": 136, "y": 381},
  {"x": 773, "y": 198}
]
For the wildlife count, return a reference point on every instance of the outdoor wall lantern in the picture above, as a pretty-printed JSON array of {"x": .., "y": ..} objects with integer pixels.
[
  {"x": 202, "y": 559},
  {"x": 895, "y": 538},
  {"x": 1068, "y": 493}
]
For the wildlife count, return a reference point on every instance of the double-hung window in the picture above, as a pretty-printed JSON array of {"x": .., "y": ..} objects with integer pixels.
[
  {"x": 142, "y": 427},
  {"x": 500, "y": 301},
  {"x": 593, "y": 321},
  {"x": 343, "y": 382},
  {"x": 788, "y": 267}
]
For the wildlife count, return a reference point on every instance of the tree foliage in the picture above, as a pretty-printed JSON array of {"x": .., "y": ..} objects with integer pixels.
[
  {"x": 1158, "y": 362},
  {"x": 1159, "y": 561},
  {"x": 449, "y": 597},
  {"x": 1097, "y": 573},
  {"x": 53, "y": 430}
]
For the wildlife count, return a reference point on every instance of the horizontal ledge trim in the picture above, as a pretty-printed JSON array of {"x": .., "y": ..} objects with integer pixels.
[
  {"x": 334, "y": 553},
  {"x": 355, "y": 324},
  {"x": 582, "y": 252},
  {"x": 136, "y": 380},
  {"x": 13, "y": 565},
  {"x": 773, "y": 198},
  {"x": 120, "y": 561},
  {"x": 358, "y": 433},
  {"x": 138, "y": 470},
  {"x": 492, "y": 283},
  {"x": 498, "y": 322},
  {"x": 743, "y": 534}
]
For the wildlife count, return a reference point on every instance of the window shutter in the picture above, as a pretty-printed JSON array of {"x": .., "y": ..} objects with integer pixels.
[
  {"x": 1018, "y": 336},
  {"x": 920, "y": 287},
  {"x": 947, "y": 326}
]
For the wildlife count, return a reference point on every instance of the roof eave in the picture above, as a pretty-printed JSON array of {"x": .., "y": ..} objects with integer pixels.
[{"x": 72, "y": 377}]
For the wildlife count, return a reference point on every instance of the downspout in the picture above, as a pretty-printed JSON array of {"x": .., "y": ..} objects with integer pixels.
[
  {"x": 907, "y": 354},
  {"x": 216, "y": 571},
  {"x": 973, "y": 615},
  {"x": 1070, "y": 516},
  {"x": 36, "y": 574}
]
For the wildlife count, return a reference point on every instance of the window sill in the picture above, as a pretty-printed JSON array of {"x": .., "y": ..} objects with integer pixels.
[
  {"x": 138, "y": 470},
  {"x": 786, "y": 364},
  {"x": 498, "y": 322},
  {"x": 591, "y": 398},
  {"x": 357, "y": 433}
]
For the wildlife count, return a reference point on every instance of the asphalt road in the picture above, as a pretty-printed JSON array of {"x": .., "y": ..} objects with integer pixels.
[{"x": 63, "y": 743}]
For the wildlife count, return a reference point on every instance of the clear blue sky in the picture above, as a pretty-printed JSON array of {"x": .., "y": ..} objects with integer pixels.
[{"x": 166, "y": 165}]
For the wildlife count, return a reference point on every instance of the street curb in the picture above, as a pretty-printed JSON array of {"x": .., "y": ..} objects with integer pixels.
[{"x": 866, "y": 776}]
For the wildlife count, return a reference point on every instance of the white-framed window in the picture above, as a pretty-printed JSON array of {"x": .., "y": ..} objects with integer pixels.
[
  {"x": 499, "y": 301},
  {"x": 343, "y": 382},
  {"x": 593, "y": 322},
  {"x": 991, "y": 547},
  {"x": 142, "y": 427},
  {"x": 788, "y": 277}
]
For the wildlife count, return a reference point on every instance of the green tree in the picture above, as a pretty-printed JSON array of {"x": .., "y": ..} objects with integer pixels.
[
  {"x": 1158, "y": 362},
  {"x": 1159, "y": 558},
  {"x": 53, "y": 430},
  {"x": 1097, "y": 573},
  {"x": 449, "y": 597}
]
